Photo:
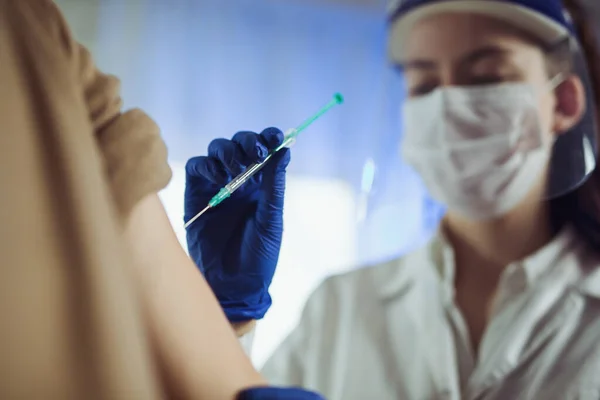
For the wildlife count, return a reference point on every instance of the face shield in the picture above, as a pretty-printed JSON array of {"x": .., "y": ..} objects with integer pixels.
[
  {"x": 482, "y": 149},
  {"x": 575, "y": 151}
]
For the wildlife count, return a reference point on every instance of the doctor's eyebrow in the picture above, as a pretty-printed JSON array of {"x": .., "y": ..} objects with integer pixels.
[
  {"x": 483, "y": 53},
  {"x": 473, "y": 57}
]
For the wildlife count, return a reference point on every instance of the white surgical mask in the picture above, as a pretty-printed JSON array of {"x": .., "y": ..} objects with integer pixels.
[{"x": 479, "y": 150}]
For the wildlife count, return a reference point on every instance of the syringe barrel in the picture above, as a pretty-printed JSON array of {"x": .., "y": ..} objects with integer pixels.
[
  {"x": 288, "y": 141},
  {"x": 246, "y": 175}
]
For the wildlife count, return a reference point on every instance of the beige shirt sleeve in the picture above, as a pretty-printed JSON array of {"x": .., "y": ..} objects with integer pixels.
[
  {"x": 72, "y": 167},
  {"x": 135, "y": 156}
]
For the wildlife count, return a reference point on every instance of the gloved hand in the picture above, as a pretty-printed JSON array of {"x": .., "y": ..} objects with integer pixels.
[
  {"x": 271, "y": 393},
  {"x": 236, "y": 244}
]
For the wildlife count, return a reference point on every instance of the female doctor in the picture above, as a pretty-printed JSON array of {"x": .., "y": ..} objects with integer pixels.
[{"x": 504, "y": 302}]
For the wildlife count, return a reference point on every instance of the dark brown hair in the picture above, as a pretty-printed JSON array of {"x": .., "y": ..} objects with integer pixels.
[{"x": 581, "y": 208}]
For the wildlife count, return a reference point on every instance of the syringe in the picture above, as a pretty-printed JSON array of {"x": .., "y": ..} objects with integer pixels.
[{"x": 289, "y": 139}]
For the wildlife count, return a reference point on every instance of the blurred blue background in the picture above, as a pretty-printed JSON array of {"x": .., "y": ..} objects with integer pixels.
[{"x": 208, "y": 68}]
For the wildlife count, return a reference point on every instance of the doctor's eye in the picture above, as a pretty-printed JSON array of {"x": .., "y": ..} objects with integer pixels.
[
  {"x": 423, "y": 89},
  {"x": 488, "y": 80}
]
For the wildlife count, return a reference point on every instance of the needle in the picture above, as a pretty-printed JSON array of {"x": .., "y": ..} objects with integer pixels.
[{"x": 197, "y": 216}]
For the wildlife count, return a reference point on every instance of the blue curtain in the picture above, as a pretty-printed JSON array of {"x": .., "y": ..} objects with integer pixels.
[{"x": 209, "y": 68}]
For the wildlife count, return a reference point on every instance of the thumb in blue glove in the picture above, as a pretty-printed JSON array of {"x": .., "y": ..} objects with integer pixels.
[{"x": 236, "y": 245}]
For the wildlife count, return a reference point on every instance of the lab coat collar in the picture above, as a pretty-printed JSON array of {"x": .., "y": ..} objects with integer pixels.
[
  {"x": 567, "y": 245},
  {"x": 539, "y": 262},
  {"x": 533, "y": 265},
  {"x": 410, "y": 268},
  {"x": 580, "y": 254},
  {"x": 590, "y": 284},
  {"x": 439, "y": 255},
  {"x": 399, "y": 279}
]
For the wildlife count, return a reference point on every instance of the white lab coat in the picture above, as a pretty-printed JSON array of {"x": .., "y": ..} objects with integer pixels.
[{"x": 384, "y": 333}]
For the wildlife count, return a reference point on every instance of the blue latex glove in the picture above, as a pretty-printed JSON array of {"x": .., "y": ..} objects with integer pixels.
[
  {"x": 278, "y": 394},
  {"x": 236, "y": 244}
]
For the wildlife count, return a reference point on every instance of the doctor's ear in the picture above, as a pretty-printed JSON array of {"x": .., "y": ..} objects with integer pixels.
[{"x": 570, "y": 104}]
